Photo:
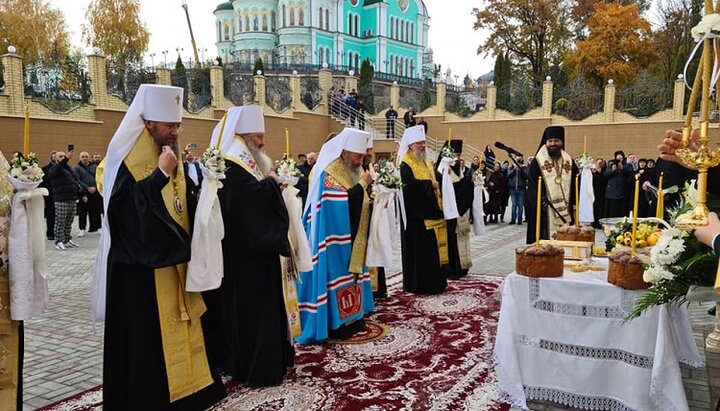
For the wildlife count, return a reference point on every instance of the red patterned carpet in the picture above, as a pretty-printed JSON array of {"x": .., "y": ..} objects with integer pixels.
[{"x": 436, "y": 355}]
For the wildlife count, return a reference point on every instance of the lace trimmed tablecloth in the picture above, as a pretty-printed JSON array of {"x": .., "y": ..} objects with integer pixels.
[{"x": 563, "y": 340}]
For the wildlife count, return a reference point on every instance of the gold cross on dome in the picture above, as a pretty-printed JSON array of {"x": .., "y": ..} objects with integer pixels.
[{"x": 177, "y": 99}]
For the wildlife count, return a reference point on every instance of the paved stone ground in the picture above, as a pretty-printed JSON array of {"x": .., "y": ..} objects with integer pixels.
[{"x": 63, "y": 356}]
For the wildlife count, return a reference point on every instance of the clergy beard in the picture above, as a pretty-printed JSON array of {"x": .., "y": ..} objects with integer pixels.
[
  {"x": 263, "y": 161},
  {"x": 420, "y": 155},
  {"x": 555, "y": 154},
  {"x": 353, "y": 171},
  {"x": 175, "y": 147}
]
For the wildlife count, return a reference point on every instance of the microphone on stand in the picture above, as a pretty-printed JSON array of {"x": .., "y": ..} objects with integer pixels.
[{"x": 509, "y": 150}]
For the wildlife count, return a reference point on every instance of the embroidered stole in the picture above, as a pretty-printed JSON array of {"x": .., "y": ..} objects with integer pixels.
[
  {"x": 179, "y": 311},
  {"x": 425, "y": 171},
  {"x": 339, "y": 172},
  {"x": 557, "y": 176},
  {"x": 9, "y": 332}
]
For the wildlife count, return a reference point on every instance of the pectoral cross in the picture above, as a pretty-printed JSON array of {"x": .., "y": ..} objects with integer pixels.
[{"x": 177, "y": 99}]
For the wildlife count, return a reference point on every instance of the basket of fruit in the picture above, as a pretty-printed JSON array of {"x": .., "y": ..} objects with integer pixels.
[{"x": 647, "y": 235}]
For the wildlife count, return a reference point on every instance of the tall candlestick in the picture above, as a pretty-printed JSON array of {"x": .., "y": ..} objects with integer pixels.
[
  {"x": 660, "y": 208},
  {"x": 537, "y": 212},
  {"x": 26, "y": 134},
  {"x": 635, "y": 215},
  {"x": 287, "y": 144},
  {"x": 449, "y": 136},
  {"x": 585, "y": 144},
  {"x": 577, "y": 200}
]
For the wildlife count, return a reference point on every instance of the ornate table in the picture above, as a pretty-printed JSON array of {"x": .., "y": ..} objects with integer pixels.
[{"x": 563, "y": 340}]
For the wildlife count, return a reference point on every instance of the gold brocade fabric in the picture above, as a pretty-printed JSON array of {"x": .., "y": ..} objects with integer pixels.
[
  {"x": 9, "y": 336},
  {"x": 179, "y": 311},
  {"x": 557, "y": 177},
  {"x": 339, "y": 173},
  {"x": 292, "y": 308},
  {"x": 424, "y": 171}
]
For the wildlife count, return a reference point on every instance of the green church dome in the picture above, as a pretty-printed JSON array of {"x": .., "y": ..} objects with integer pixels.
[{"x": 224, "y": 6}]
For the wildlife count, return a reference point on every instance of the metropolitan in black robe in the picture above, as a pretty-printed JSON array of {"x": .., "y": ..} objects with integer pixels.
[
  {"x": 247, "y": 322},
  {"x": 422, "y": 273},
  {"x": 144, "y": 237}
]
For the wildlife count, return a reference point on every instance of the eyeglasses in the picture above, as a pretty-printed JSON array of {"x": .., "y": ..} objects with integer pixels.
[{"x": 174, "y": 127}]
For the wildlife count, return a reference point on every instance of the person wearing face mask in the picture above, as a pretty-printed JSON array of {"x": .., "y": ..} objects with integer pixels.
[{"x": 558, "y": 171}]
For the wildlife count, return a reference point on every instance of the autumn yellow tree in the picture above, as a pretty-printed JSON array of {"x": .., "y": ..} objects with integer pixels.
[
  {"x": 618, "y": 45},
  {"x": 534, "y": 33},
  {"x": 37, "y": 30},
  {"x": 115, "y": 27}
]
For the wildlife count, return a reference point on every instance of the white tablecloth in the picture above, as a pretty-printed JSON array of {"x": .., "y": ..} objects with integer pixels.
[{"x": 563, "y": 340}]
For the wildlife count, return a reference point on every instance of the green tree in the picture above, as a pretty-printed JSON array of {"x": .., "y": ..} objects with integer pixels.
[
  {"x": 34, "y": 28},
  {"x": 259, "y": 66},
  {"x": 365, "y": 86},
  {"x": 531, "y": 32},
  {"x": 425, "y": 97}
]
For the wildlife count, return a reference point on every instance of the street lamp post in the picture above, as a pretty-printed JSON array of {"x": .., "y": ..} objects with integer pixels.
[
  {"x": 152, "y": 60},
  {"x": 456, "y": 80},
  {"x": 164, "y": 53}
]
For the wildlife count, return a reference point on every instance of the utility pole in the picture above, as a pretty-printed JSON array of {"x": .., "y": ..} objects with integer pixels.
[{"x": 192, "y": 37}]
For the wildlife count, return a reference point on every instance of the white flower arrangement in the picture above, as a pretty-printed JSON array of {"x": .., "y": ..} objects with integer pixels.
[
  {"x": 25, "y": 170},
  {"x": 448, "y": 152},
  {"x": 388, "y": 175},
  {"x": 664, "y": 255},
  {"x": 288, "y": 171},
  {"x": 586, "y": 161},
  {"x": 214, "y": 160},
  {"x": 478, "y": 177},
  {"x": 709, "y": 26}
]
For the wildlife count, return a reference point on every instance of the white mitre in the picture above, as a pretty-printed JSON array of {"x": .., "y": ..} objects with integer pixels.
[{"x": 411, "y": 136}]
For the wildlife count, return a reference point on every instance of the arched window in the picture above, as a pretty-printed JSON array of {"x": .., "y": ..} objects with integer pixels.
[
  {"x": 273, "y": 22},
  {"x": 302, "y": 55},
  {"x": 293, "y": 53},
  {"x": 327, "y": 19},
  {"x": 357, "y": 61},
  {"x": 392, "y": 27},
  {"x": 284, "y": 14},
  {"x": 247, "y": 21},
  {"x": 412, "y": 33},
  {"x": 264, "y": 20},
  {"x": 321, "y": 17},
  {"x": 357, "y": 24},
  {"x": 412, "y": 68},
  {"x": 255, "y": 21},
  {"x": 227, "y": 31},
  {"x": 292, "y": 15},
  {"x": 301, "y": 15},
  {"x": 350, "y": 24},
  {"x": 327, "y": 55},
  {"x": 219, "y": 31}
]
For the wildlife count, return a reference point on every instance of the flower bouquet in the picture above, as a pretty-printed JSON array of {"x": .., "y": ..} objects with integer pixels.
[
  {"x": 205, "y": 269},
  {"x": 27, "y": 268},
  {"x": 25, "y": 173},
  {"x": 288, "y": 171},
  {"x": 383, "y": 224},
  {"x": 448, "y": 152},
  {"x": 678, "y": 260}
]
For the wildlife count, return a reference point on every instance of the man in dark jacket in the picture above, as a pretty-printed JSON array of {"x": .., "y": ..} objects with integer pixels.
[
  {"x": 66, "y": 191},
  {"x": 617, "y": 174},
  {"x": 88, "y": 204},
  {"x": 49, "y": 202},
  {"x": 517, "y": 183},
  {"x": 390, "y": 116}
]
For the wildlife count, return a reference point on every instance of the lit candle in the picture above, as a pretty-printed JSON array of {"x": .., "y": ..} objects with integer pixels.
[
  {"x": 287, "y": 144},
  {"x": 26, "y": 134},
  {"x": 537, "y": 212},
  {"x": 635, "y": 214},
  {"x": 660, "y": 209},
  {"x": 449, "y": 136},
  {"x": 585, "y": 144},
  {"x": 577, "y": 200}
]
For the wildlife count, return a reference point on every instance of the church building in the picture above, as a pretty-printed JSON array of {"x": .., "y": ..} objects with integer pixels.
[{"x": 392, "y": 34}]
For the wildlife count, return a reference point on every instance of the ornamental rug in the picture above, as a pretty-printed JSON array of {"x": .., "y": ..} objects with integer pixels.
[{"x": 436, "y": 354}]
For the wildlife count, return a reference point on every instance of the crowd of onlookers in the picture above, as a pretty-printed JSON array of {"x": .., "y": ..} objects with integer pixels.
[
  {"x": 613, "y": 186},
  {"x": 72, "y": 191},
  {"x": 347, "y": 106}
]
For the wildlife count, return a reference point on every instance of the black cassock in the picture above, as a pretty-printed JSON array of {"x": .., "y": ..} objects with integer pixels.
[
  {"x": 464, "y": 199},
  {"x": 144, "y": 237},
  {"x": 422, "y": 273},
  {"x": 246, "y": 320},
  {"x": 531, "y": 202}
]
